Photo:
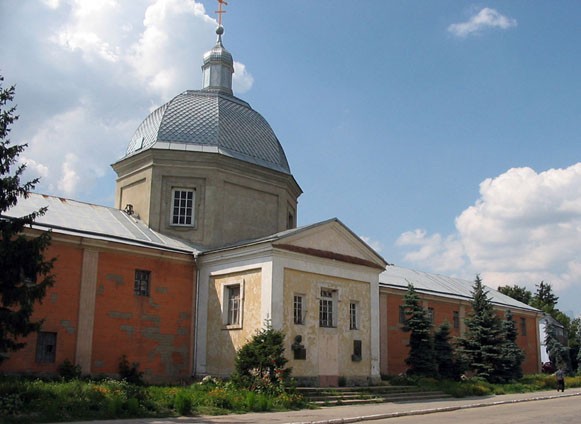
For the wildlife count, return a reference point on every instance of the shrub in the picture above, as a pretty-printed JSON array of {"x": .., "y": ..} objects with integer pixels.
[
  {"x": 130, "y": 372},
  {"x": 183, "y": 403},
  {"x": 68, "y": 371}
]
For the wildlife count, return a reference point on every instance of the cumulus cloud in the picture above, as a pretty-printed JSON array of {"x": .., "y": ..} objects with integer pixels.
[
  {"x": 485, "y": 19},
  {"x": 88, "y": 72},
  {"x": 524, "y": 228}
]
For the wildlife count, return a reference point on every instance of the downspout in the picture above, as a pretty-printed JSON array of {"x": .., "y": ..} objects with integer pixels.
[{"x": 196, "y": 314}]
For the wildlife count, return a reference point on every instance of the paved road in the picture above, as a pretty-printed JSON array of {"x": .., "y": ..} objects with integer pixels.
[
  {"x": 551, "y": 411},
  {"x": 553, "y": 407}
]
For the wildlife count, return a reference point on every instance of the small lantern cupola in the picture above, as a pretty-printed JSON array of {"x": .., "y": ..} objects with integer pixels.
[{"x": 218, "y": 68}]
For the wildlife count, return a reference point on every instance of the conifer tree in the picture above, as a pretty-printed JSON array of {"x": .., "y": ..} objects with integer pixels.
[
  {"x": 444, "y": 353},
  {"x": 24, "y": 273},
  {"x": 512, "y": 356},
  {"x": 558, "y": 354},
  {"x": 421, "y": 360},
  {"x": 480, "y": 348}
]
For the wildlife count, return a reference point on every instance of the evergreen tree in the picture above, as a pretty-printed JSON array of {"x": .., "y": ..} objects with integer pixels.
[
  {"x": 558, "y": 354},
  {"x": 512, "y": 356},
  {"x": 544, "y": 298},
  {"x": 444, "y": 353},
  {"x": 421, "y": 360},
  {"x": 260, "y": 363},
  {"x": 24, "y": 273},
  {"x": 480, "y": 348}
]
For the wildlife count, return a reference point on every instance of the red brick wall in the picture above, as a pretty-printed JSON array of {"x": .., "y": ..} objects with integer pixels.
[
  {"x": 156, "y": 331},
  {"x": 59, "y": 309},
  {"x": 395, "y": 341}
]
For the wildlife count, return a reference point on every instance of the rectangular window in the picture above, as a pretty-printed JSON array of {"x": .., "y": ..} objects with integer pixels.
[
  {"x": 456, "y": 319},
  {"x": 183, "y": 207},
  {"x": 142, "y": 279},
  {"x": 402, "y": 319},
  {"x": 523, "y": 326},
  {"x": 327, "y": 308},
  {"x": 299, "y": 309},
  {"x": 46, "y": 347},
  {"x": 233, "y": 297},
  {"x": 353, "y": 316}
]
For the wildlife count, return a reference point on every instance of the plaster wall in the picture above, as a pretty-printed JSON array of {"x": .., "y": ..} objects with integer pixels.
[
  {"x": 328, "y": 350},
  {"x": 224, "y": 340}
]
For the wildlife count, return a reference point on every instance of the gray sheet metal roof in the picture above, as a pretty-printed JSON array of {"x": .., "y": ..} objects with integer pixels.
[
  {"x": 211, "y": 122},
  {"x": 99, "y": 222},
  {"x": 440, "y": 285}
]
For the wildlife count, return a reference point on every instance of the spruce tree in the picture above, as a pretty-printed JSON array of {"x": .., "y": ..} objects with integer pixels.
[
  {"x": 421, "y": 360},
  {"x": 444, "y": 353},
  {"x": 510, "y": 366},
  {"x": 480, "y": 348},
  {"x": 558, "y": 353},
  {"x": 24, "y": 273}
]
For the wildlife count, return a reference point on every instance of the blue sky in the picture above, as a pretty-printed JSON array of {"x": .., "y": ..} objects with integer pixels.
[{"x": 447, "y": 134}]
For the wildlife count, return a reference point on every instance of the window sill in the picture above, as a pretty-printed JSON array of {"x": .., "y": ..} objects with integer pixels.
[{"x": 232, "y": 327}]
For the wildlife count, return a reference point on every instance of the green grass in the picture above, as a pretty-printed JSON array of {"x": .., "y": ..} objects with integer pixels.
[
  {"x": 480, "y": 387},
  {"x": 38, "y": 401}
]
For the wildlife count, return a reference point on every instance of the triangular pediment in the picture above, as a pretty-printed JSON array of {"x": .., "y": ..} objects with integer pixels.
[{"x": 331, "y": 239}]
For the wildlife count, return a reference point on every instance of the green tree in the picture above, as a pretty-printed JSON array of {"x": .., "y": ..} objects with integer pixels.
[
  {"x": 25, "y": 274},
  {"x": 444, "y": 353},
  {"x": 480, "y": 348},
  {"x": 510, "y": 366},
  {"x": 260, "y": 363},
  {"x": 544, "y": 298},
  {"x": 558, "y": 353},
  {"x": 421, "y": 360},
  {"x": 522, "y": 294}
]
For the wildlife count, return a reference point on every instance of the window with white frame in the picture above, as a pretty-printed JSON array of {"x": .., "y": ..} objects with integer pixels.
[
  {"x": 354, "y": 315},
  {"x": 183, "y": 201},
  {"x": 233, "y": 295},
  {"x": 431, "y": 316},
  {"x": 327, "y": 308},
  {"x": 299, "y": 310}
]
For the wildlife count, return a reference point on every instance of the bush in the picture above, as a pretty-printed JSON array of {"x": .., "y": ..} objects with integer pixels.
[
  {"x": 68, "y": 371},
  {"x": 260, "y": 364},
  {"x": 130, "y": 372}
]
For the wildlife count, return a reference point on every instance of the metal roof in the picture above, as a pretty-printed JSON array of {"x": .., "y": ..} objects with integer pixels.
[
  {"x": 440, "y": 285},
  {"x": 99, "y": 222},
  {"x": 201, "y": 120}
]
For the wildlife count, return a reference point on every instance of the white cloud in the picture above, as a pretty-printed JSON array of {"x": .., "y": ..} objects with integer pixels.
[
  {"x": 485, "y": 19},
  {"x": 88, "y": 72},
  {"x": 524, "y": 228}
]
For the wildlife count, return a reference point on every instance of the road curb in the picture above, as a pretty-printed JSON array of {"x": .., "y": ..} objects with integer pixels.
[{"x": 432, "y": 410}]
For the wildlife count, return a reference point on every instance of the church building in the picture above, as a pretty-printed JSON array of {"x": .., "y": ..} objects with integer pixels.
[{"x": 202, "y": 250}]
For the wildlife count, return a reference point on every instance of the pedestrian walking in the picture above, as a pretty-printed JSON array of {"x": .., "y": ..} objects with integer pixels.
[{"x": 560, "y": 376}]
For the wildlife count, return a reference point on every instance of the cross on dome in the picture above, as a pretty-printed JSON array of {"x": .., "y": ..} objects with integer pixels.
[{"x": 221, "y": 11}]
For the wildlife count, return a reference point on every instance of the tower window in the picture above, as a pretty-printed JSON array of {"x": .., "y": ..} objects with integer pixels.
[{"x": 183, "y": 207}]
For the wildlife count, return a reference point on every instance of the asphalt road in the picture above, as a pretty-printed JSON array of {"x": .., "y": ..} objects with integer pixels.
[{"x": 553, "y": 411}]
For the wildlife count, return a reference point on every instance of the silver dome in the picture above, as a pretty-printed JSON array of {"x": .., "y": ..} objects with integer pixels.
[{"x": 211, "y": 122}]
